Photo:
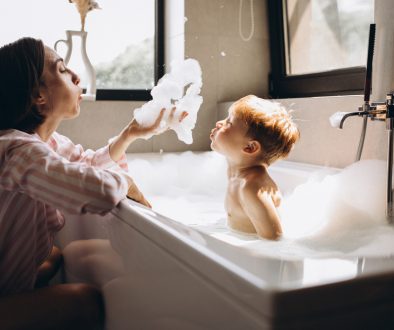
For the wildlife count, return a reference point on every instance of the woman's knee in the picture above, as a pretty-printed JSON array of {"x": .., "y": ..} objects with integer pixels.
[
  {"x": 85, "y": 292},
  {"x": 49, "y": 268},
  {"x": 63, "y": 306},
  {"x": 89, "y": 300}
]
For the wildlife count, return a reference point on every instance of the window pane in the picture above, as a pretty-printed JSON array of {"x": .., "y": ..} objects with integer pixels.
[
  {"x": 325, "y": 35},
  {"x": 120, "y": 41}
]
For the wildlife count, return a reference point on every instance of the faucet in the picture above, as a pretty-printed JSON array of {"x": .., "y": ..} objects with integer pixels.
[
  {"x": 382, "y": 111},
  {"x": 365, "y": 111}
]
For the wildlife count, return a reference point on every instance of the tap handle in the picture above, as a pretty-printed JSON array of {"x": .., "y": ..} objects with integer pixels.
[{"x": 368, "y": 74}]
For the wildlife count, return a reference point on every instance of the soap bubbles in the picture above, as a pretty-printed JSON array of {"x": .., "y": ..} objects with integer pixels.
[{"x": 180, "y": 89}]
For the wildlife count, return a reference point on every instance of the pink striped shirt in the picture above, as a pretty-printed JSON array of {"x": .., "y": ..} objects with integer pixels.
[{"x": 39, "y": 180}]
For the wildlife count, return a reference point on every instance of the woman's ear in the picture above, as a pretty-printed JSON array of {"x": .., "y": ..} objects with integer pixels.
[
  {"x": 39, "y": 96},
  {"x": 40, "y": 100},
  {"x": 252, "y": 147}
]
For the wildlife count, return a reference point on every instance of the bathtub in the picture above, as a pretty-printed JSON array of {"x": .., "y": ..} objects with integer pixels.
[{"x": 167, "y": 270}]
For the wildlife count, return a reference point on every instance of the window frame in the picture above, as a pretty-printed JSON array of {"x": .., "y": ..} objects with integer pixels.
[
  {"x": 348, "y": 81},
  {"x": 142, "y": 94}
]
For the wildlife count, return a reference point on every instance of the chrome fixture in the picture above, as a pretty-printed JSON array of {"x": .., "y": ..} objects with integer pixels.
[{"x": 382, "y": 111}]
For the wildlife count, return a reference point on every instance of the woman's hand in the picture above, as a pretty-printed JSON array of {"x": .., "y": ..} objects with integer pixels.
[
  {"x": 136, "y": 131},
  {"x": 136, "y": 195}
]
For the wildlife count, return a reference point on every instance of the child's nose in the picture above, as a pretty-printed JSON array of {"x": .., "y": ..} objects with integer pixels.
[{"x": 219, "y": 124}]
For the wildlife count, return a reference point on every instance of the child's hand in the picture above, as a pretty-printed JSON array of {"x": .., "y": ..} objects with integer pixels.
[{"x": 136, "y": 195}]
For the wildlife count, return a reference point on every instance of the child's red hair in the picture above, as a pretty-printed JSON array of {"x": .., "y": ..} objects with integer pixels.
[{"x": 270, "y": 124}]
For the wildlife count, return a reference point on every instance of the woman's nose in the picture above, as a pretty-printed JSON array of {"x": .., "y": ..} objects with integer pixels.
[{"x": 75, "y": 78}]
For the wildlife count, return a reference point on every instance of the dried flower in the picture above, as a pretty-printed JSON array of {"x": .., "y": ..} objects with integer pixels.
[{"x": 84, "y": 6}]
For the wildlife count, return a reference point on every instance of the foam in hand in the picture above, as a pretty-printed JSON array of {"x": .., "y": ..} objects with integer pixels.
[{"x": 170, "y": 92}]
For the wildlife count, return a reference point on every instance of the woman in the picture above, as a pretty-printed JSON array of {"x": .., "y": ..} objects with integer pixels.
[{"x": 42, "y": 173}]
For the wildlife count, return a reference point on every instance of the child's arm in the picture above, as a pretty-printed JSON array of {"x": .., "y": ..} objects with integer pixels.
[{"x": 259, "y": 207}]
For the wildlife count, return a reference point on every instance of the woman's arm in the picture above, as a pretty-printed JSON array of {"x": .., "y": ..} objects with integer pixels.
[
  {"x": 99, "y": 158},
  {"x": 34, "y": 169}
]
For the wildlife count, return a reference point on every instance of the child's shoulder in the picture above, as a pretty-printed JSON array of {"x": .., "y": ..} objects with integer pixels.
[{"x": 263, "y": 185}]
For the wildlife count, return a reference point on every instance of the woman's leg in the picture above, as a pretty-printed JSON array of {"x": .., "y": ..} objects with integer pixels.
[
  {"x": 63, "y": 306},
  {"x": 49, "y": 268}
]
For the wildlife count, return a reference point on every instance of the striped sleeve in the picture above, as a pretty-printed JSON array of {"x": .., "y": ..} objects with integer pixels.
[
  {"x": 36, "y": 170},
  {"x": 75, "y": 153}
]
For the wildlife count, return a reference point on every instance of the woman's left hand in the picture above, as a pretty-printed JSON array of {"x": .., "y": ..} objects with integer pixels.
[{"x": 136, "y": 195}]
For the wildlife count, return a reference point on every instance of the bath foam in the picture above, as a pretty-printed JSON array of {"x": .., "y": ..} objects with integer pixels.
[
  {"x": 340, "y": 215},
  {"x": 179, "y": 88},
  {"x": 335, "y": 203}
]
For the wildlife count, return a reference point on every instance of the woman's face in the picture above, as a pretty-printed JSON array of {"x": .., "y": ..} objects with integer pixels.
[{"x": 60, "y": 94}]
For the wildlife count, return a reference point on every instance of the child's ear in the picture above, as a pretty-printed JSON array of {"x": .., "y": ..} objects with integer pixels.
[{"x": 252, "y": 147}]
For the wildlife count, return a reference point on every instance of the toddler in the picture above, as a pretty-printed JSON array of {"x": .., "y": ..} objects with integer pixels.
[{"x": 255, "y": 134}]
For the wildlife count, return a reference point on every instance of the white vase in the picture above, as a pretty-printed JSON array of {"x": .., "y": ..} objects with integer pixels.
[{"x": 90, "y": 94}]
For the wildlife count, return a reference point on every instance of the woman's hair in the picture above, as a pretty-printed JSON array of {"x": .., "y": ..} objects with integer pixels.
[
  {"x": 21, "y": 69},
  {"x": 270, "y": 124}
]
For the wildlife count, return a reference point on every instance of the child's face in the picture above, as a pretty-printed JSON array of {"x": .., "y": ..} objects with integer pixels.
[{"x": 229, "y": 136}]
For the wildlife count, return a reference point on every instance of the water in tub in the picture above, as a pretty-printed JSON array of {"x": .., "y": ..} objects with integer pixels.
[{"x": 329, "y": 215}]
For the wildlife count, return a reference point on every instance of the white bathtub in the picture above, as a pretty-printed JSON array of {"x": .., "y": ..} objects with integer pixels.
[{"x": 158, "y": 273}]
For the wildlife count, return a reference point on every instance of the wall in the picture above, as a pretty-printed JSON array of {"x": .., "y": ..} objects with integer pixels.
[{"x": 231, "y": 69}]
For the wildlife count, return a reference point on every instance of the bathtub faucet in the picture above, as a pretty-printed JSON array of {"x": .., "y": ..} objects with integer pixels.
[
  {"x": 376, "y": 111},
  {"x": 382, "y": 111}
]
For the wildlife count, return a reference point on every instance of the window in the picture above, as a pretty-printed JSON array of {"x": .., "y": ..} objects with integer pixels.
[
  {"x": 318, "y": 47},
  {"x": 124, "y": 43}
]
